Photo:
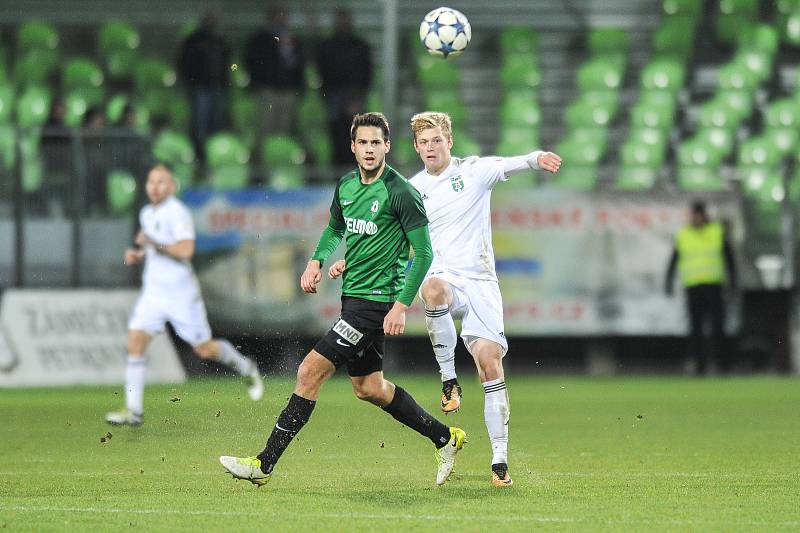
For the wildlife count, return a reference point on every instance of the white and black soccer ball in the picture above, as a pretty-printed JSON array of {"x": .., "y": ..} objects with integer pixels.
[{"x": 445, "y": 32}]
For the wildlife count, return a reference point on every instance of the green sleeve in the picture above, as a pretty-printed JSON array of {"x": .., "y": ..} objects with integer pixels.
[
  {"x": 407, "y": 205},
  {"x": 332, "y": 234},
  {"x": 420, "y": 240}
]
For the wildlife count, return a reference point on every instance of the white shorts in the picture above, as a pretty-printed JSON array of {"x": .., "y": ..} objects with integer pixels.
[
  {"x": 479, "y": 306},
  {"x": 184, "y": 310}
]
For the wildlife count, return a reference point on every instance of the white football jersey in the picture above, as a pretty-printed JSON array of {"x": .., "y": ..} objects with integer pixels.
[
  {"x": 167, "y": 223},
  {"x": 457, "y": 202}
]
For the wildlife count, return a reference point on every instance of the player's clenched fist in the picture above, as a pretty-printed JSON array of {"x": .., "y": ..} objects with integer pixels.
[
  {"x": 336, "y": 269},
  {"x": 549, "y": 161},
  {"x": 133, "y": 256},
  {"x": 311, "y": 276}
]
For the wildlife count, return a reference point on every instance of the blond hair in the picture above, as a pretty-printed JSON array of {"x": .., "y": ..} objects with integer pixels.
[{"x": 432, "y": 119}]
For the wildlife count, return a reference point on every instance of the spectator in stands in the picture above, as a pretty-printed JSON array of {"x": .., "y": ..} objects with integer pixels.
[
  {"x": 94, "y": 119},
  {"x": 345, "y": 65},
  {"x": 204, "y": 66},
  {"x": 702, "y": 255},
  {"x": 275, "y": 59}
]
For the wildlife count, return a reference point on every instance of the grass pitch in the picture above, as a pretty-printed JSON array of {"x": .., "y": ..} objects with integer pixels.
[{"x": 627, "y": 454}]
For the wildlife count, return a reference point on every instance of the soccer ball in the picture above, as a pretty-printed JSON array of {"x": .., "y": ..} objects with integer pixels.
[{"x": 445, "y": 32}]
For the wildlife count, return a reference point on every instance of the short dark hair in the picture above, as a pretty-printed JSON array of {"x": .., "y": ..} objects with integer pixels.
[
  {"x": 699, "y": 207},
  {"x": 370, "y": 119}
]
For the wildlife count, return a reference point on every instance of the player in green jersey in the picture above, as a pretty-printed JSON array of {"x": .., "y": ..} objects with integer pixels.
[{"x": 379, "y": 215}]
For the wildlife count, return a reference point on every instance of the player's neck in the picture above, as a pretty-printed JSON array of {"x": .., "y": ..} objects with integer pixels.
[
  {"x": 439, "y": 170},
  {"x": 368, "y": 177},
  {"x": 160, "y": 202}
]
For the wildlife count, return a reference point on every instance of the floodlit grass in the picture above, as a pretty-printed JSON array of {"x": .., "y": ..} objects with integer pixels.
[{"x": 627, "y": 454}]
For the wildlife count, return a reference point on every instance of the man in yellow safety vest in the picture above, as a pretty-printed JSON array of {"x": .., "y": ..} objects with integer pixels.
[{"x": 704, "y": 260}]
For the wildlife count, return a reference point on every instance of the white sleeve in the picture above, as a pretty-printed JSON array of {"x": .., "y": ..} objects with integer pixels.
[
  {"x": 521, "y": 163},
  {"x": 489, "y": 170},
  {"x": 183, "y": 225}
]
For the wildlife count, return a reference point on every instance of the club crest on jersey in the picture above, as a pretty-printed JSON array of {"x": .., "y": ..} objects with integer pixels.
[
  {"x": 457, "y": 182},
  {"x": 375, "y": 206}
]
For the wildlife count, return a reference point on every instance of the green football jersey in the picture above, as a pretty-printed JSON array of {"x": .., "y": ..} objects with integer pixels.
[{"x": 374, "y": 220}]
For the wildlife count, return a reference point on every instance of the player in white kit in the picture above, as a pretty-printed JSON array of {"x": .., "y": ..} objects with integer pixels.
[
  {"x": 170, "y": 293},
  {"x": 461, "y": 282}
]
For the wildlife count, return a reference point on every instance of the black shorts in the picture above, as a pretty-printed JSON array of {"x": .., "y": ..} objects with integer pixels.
[{"x": 357, "y": 337}]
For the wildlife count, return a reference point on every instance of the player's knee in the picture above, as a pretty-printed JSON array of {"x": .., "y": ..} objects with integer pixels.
[
  {"x": 307, "y": 376},
  {"x": 367, "y": 394},
  {"x": 204, "y": 351},
  {"x": 434, "y": 292},
  {"x": 491, "y": 367}
]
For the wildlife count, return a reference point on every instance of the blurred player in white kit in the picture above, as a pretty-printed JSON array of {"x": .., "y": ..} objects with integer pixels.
[{"x": 170, "y": 293}]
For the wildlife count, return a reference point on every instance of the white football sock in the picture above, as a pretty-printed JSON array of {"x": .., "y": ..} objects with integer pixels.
[
  {"x": 135, "y": 371},
  {"x": 231, "y": 357},
  {"x": 496, "y": 412},
  {"x": 442, "y": 331}
]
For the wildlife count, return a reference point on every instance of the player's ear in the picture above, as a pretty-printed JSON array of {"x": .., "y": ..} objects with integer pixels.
[
  {"x": 353, "y": 146},
  {"x": 388, "y": 145},
  {"x": 449, "y": 142}
]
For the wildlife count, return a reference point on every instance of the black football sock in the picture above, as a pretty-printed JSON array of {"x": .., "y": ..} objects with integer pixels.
[
  {"x": 407, "y": 411},
  {"x": 292, "y": 419}
]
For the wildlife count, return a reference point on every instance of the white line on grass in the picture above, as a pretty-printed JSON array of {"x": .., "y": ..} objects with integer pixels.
[{"x": 387, "y": 516}]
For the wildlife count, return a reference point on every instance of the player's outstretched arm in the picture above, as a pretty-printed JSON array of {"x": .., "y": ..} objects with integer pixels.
[{"x": 537, "y": 160}]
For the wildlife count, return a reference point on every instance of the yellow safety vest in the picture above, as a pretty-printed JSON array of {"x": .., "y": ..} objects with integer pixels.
[{"x": 700, "y": 254}]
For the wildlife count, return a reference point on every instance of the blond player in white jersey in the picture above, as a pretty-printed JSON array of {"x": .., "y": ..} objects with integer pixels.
[
  {"x": 461, "y": 282},
  {"x": 170, "y": 293}
]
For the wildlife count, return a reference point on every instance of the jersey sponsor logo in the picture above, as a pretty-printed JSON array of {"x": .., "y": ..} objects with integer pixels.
[
  {"x": 457, "y": 182},
  {"x": 375, "y": 206},
  {"x": 347, "y": 332},
  {"x": 347, "y": 202},
  {"x": 356, "y": 225}
]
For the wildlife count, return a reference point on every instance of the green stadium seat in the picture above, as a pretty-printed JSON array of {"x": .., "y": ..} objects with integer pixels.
[
  {"x": 700, "y": 178},
  {"x": 683, "y": 8},
  {"x": 636, "y": 178},
  {"x": 783, "y": 113},
  {"x": 36, "y": 67},
  {"x": 121, "y": 64},
  {"x": 599, "y": 74},
  {"x": 8, "y": 146},
  {"x": 698, "y": 152},
  {"x": 790, "y": 33},
  {"x": 464, "y": 145},
  {"x": 519, "y": 72},
  {"x": 582, "y": 114},
  {"x": 6, "y": 103},
  {"x": 580, "y": 154},
  {"x": 84, "y": 75},
  {"x": 375, "y": 100},
  {"x": 760, "y": 38},
  {"x": 735, "y": 18},
  {"x": 227, "y": 158},
  {"x": 664, "y": 74},
  {"x": 115, "y": 107},
  {"x": 280, "y": 150},
  {"x": 759, "y": 151},
  {"x": 173, "y": 148},
  {"x": 715, "y": 113},
  {"x": 518, "y": 40},
  {"x": 737, "y": 76},
  {"x": 153, "y": 74},
  {"x": 719, "y": 138},
  {"x": 608, "y": 40},
  {"x": 519, "y": 109},
  {"x": 433, "y": 73},
  {"x": 758, "y": 63},
  {"x": 76, "y": 106},
  {"x": 607, "y": 100},
  {"x": 784, "y": 139},
  {"x": 765, "y": 189},
  {"x": 740, "y": 102},
  {"x": 404, "y": 157},
  {"x": 450, "y": 103},
  {"x": 674, "y": 39},
  {"x": 120, "y": 191},
  {"x": 645, "y": 115},
  {"x": 517, "y": 141},
  {"x": 649, "y": 136},
  {"x": 638, "y": 154},
  {"x": 698, "y": 166},
  {"x": 320, "y": 147},
  {"x": 245, "y": 115},
  {"x": 33, "y": 107},
  {"x": 36, "y": 35},
  {"x": 117, "y": 35}
]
